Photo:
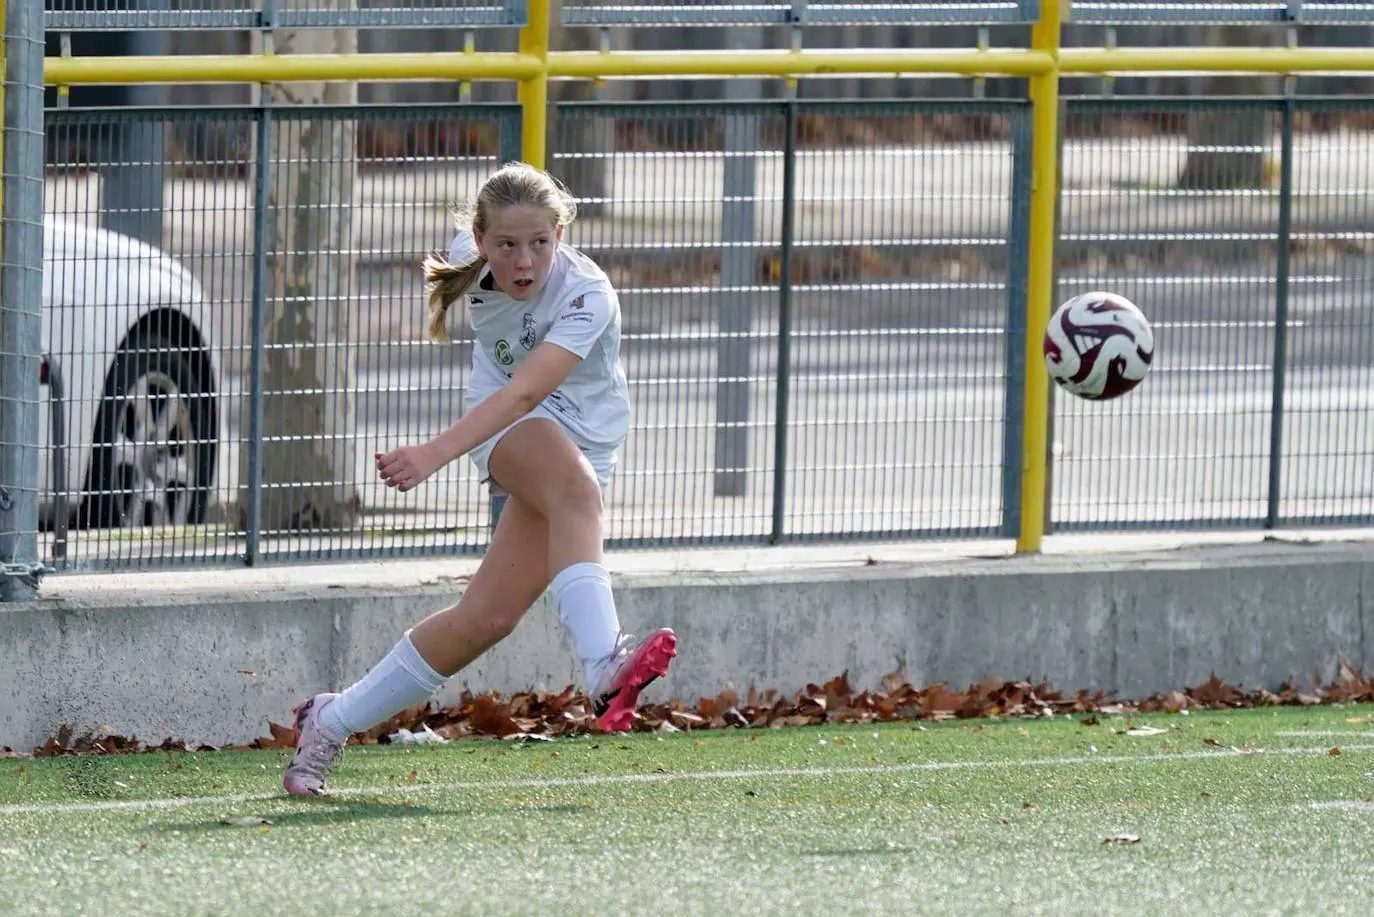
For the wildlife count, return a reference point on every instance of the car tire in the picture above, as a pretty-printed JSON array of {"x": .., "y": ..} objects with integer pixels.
[{"x": 156, "y": 443}]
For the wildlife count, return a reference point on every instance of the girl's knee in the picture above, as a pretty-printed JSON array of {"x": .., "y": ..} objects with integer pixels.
[{"x": 574, "y": 491}]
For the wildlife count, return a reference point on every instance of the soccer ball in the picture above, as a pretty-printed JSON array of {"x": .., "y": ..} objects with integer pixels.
[{"x": 1098, "y": 346}]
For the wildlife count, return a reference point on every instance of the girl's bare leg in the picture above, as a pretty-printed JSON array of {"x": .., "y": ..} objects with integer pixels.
[
  {"x": 510, "y": 578},
  {"x": 536, "y": 461},
  {"x": 513, "y": 574}
]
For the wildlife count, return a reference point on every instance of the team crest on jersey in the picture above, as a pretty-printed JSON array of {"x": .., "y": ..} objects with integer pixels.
[
  {"x": 577, "y": 303},
  {"x": 527, "y": 332},
  {"x": 503, "y": 354}
]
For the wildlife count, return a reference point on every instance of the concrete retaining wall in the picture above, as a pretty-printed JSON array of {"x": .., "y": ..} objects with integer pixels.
[{"x": 215, "y": 664}]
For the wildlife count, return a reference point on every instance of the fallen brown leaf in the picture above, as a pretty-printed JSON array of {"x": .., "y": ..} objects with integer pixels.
[
  {"x": 282, "y": 737},
  {"x": 541, "y": 715}
]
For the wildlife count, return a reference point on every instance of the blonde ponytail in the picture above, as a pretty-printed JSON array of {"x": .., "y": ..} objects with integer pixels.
[{"x": 447, "y": 283}]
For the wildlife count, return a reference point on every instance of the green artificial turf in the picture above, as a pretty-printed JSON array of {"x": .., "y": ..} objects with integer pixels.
[{"x": 1232, "y": 815}]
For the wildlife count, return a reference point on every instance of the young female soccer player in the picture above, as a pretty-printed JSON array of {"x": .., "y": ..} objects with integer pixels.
[{"x": 546, "y": 413}]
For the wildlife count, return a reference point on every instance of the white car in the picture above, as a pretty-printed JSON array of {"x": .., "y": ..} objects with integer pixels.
[{"x": 130, "y": 383}]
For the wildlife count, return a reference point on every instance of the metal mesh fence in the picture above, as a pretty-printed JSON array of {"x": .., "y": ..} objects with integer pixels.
[
  {"x": 681, "y": 210},
  {"x": 901, "y": 266},
  {"x": 899, "y": 277},
  {"x": 81, "y": 15},
  {"x": 1180, "y": 208},
  {"x": 838, "y": 12},
  {"x": 1242, "y": 11},
  {"x": 1326, "y": 463},
  {"x": 328, "y": 230},
  {"x": 1189, "y": 446},
  {"x": 889, "y": 386},
  {"x": 822, "y": 319}
]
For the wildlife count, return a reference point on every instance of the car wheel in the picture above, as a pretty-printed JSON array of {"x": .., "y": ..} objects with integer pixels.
[{"x": 155, "y": 442}]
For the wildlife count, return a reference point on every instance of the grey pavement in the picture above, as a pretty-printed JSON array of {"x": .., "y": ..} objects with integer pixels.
[{"x": 1061, "y": 552}]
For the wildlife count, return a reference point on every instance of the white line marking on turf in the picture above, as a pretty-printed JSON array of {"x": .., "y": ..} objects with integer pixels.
[
  {"x": 1357, "y": 804},
  {"x": 1341, "y": 803},
  {"x": 123, "y": 805},
  {"x": 1330, "y": 733}
]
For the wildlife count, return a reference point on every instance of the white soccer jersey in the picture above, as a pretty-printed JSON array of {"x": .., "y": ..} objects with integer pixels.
[{"x": 579, "y": 311}]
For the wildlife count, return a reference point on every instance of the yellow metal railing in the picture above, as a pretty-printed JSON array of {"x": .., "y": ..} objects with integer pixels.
[{"x": 533, "y": 65}]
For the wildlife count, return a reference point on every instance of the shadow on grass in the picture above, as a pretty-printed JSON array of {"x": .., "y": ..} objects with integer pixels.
[
  {"x": 328, "y": 812},
  {"x": 319, "y": 812}
]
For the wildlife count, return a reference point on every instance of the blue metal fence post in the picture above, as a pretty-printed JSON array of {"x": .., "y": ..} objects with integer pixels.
[
  {"x": 1284, "y": 233},
  {"x": 1018, "y": 271},
  {"x": 789, "y": 193},
  {"x": 738, "y": 268},
  {"x": 261, "y": 176}
]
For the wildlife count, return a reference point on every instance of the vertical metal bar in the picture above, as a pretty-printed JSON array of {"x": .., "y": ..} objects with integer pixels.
[
  {"x": 57, "y": 430},
  {"x": 1018, "y": 267},
  {"x": 64, "y": 49},
  {"x": 738, "y": 266},
  {"x": 261, "y": 178},
  {"x": 133, "y": 168},
  {"x": 1044, "y": 95},
  {"x": 21, "y": 298},
  {"x": 512, "y": 142},
  {"x": 1285, "y": 228},
  {"x": 780, "y": 430},
  {"x": 6, "y": 362}
]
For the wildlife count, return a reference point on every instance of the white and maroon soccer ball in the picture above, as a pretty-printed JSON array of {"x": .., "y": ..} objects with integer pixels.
[{"x": 1098, "y": 346}]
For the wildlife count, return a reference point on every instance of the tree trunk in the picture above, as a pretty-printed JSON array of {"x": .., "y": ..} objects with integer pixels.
[
  {"x": 308, "y": 372},
  {"x": 1216, "y": 170}
]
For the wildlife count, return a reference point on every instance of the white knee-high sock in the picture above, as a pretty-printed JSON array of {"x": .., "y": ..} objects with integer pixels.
[
  {"x": 586, "y": 607},
  {"x": 402, "y": 679}
]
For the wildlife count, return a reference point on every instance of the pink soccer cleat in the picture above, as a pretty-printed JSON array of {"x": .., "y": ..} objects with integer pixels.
[
  {"x": 315, "y": 750},
  {"x": 631, "y": 668}
]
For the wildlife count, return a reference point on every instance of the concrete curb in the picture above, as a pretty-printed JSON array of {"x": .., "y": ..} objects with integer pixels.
[{"x": 214, "y": 663}]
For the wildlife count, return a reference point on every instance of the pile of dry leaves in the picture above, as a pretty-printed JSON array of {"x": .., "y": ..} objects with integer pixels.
[{"x": 544, "y": 715}]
